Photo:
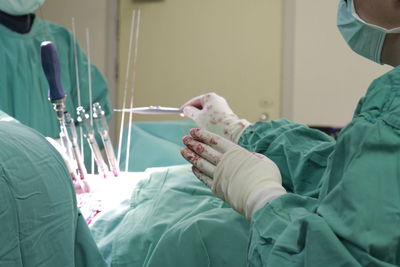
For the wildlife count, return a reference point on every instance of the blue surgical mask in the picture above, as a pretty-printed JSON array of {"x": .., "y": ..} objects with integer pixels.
[
  {"x": 364, "y": 38},
  {"x": 19, "y": 7}
]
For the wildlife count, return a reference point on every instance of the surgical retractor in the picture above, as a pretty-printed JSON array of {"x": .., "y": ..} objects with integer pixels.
[
  {"x": 57, "y": 96},
  {"x": 73, "y": 137},
  {"x": 89, "y": 134},
  {"x": 101, "y": 126}
]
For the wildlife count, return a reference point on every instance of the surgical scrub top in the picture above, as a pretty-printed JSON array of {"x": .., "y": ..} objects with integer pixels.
[
  {"x": 343, "y": 201},
  {"x": 23, "y": 86},
  {"x": 40, "y": 224},
  {"x": 342, "y": 207}
]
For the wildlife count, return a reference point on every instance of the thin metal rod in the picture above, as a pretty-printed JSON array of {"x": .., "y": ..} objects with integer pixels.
[
  {"x": 156, "y": 110},
  {"x": 78, "y": 86},
  {"x": 90, "y": 89},
  {"x": 128, "y": 65},
  {"x": 128, "y": 146}
]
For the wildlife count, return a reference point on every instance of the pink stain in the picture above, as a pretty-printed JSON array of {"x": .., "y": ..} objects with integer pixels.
[
  {"x": 195, "y": 158},
  {"x": 200, "y": 148},
  {"x": 213, "y": 142},
  {"x": 190, "y": 155},
  {"x": 186, "y": 139},
  {"x": 194, "y": 131},
  {"x": 91, "y": 216}
]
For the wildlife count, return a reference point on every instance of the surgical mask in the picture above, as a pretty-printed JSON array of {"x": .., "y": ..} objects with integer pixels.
[
  {"x": 364, "y": 38},
  {"x": 20, "y": 7}
]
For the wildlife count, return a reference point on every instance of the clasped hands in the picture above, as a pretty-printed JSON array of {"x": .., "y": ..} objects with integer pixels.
[{"x": 245, "y": 180}]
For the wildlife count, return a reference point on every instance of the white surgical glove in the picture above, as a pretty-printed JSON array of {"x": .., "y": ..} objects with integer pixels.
[
  {"x": 247, "y": 181},
  {"x": 212, "y": 112}
]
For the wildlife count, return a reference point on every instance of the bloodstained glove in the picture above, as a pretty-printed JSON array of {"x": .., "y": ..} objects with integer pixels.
[
  {"x": 245, "y": 180},
  {"x": 212, "y": 112}
]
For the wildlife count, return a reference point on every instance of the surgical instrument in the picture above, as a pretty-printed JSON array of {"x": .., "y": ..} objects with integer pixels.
[
  {"x": 73, "y": 137},
  {"x": 128, "y": 146},
  {"x": 78, "y": 87},
  {"x": 101, "y": 125},
  {"x": 153, "y": 110},
  {"x": 89, "y": 134},
  {"x": 57, "y": 96},
  {"x": 128, "y": 65},
  {"x": 89, "y": 73}
]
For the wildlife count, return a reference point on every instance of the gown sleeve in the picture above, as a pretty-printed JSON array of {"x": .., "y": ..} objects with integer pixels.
[
  {"x": 300, "y": 152},
  {"x": 355, "y": 219}
]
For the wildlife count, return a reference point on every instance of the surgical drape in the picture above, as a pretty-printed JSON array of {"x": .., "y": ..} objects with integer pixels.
[{"x": 40, "y": 224}]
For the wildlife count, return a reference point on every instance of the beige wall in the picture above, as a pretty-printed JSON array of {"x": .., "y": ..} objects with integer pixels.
[
  {"x": 100, "y": 17},
  {"x": 88, "y": 14},
  {"x": 324, "y": 78},
  {"x": 189, "y": 47},
  {"x": 233, "y": 47}
]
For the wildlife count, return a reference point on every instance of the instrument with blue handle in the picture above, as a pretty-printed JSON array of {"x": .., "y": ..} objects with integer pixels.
[
  {"x": 51, "y": 67},
  {"x": 57, "y": 96}
]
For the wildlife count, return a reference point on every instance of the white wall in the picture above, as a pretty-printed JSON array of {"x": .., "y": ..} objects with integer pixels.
[{"x": 323, "y": 77}]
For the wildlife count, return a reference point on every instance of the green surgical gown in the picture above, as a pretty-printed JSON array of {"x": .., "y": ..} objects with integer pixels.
[
  {"x": 40, "y": 224},
  {"x": 23, "y": 86},
  {"x": 343, "y": 205}
]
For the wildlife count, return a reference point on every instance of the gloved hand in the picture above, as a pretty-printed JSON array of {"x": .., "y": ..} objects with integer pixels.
[
  {"x": 247, "y": 181},
  {"x": 210, "y": 111}
]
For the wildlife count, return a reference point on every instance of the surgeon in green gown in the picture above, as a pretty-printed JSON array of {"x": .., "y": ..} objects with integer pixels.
[
  {"x": 309, "y": 200},
  {"x": 332, "y": 203},
  {"x": 40, "y": 224},
  {"x": 23, "y": 86}
]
